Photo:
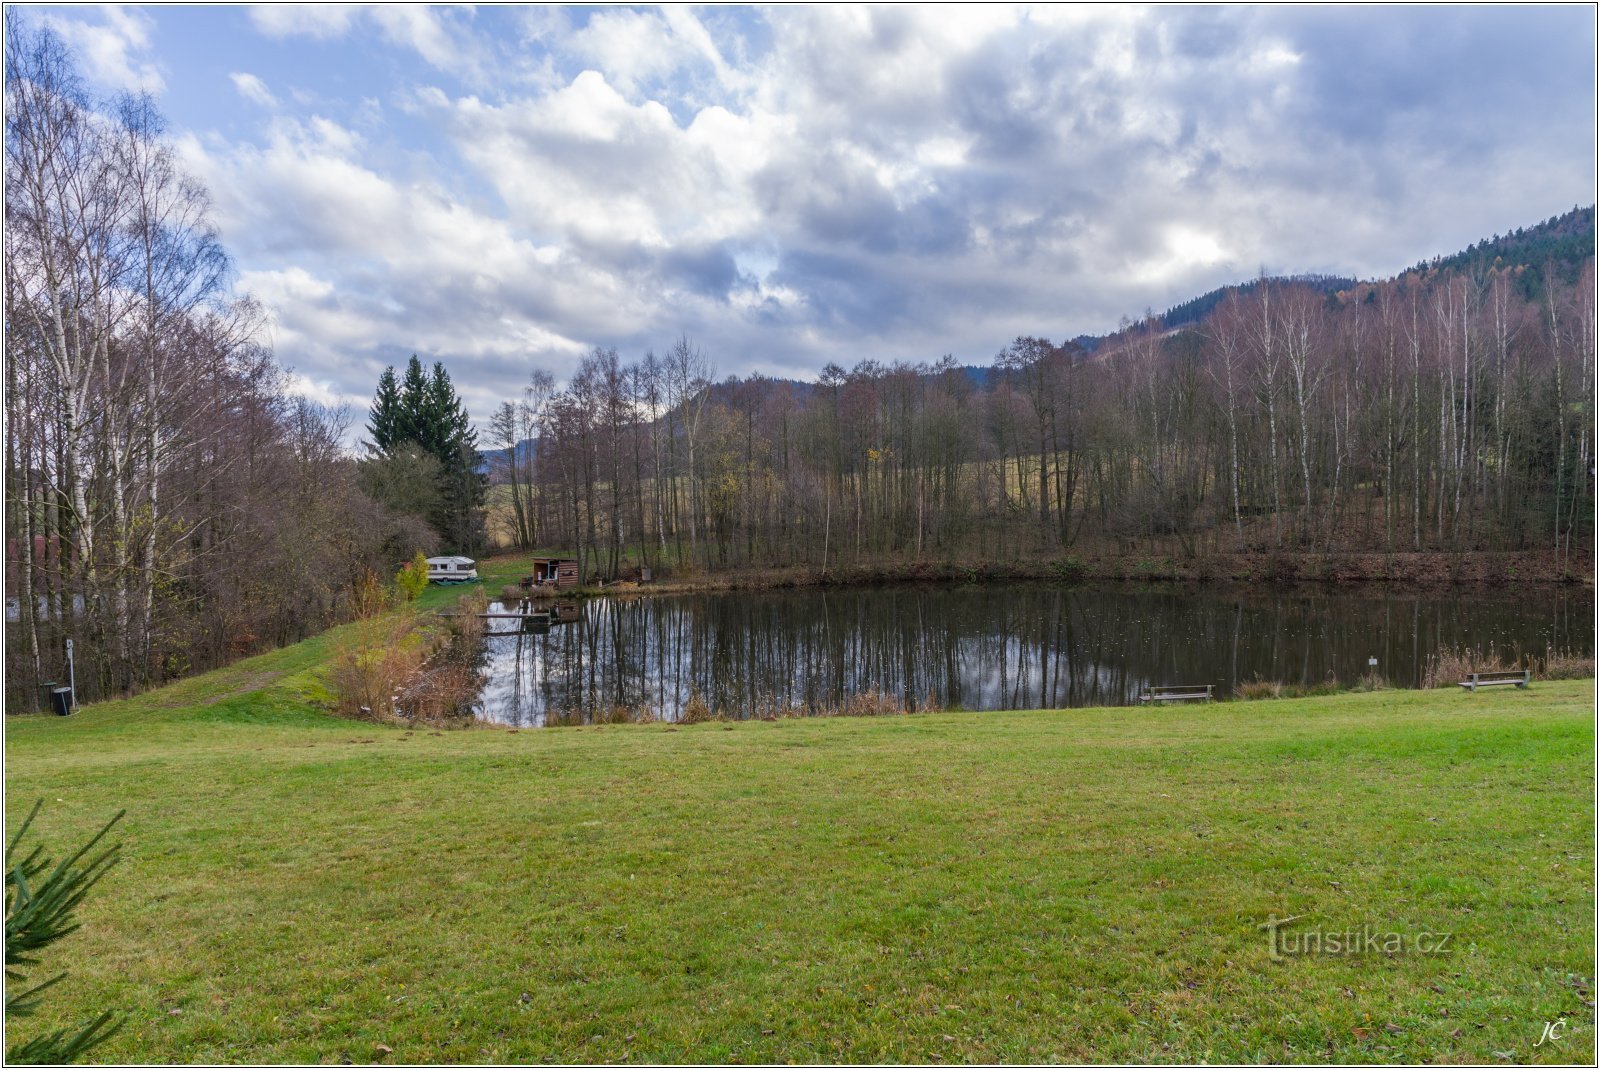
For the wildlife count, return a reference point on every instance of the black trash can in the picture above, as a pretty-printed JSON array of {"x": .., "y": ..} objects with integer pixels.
[{"x": 61, "y": 701}]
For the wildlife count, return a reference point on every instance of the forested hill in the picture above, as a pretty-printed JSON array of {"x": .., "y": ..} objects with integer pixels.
[
  {"x": 1564, "y": 242},
  {"x": 1198, "y": 308}
]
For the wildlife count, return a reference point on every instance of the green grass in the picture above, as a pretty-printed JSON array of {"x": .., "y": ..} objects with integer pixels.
[{"x": 1085, "y": 884}]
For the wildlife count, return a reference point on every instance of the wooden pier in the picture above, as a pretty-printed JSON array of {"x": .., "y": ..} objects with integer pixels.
[{"x": 532, "y": 616}]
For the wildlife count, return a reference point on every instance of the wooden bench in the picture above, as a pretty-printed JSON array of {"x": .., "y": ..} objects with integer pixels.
[
  {"x": 1177, "y": 693},
  {"x": 1516, "y": 678}
]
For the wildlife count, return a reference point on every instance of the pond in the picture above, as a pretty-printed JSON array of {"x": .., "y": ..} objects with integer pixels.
[{"x": 993, "y": 647}]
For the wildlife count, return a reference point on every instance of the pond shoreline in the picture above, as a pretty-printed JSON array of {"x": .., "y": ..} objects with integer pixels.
[
  {"x": 1039, "y": 643},
  {"x": 1411, "y": 571}
]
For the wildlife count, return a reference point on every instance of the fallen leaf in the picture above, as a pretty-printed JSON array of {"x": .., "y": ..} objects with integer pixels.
[
  {"x": 1392, "y": 1028},
  {"x": 1361, "y": 1034},
  {"x": 382, "y": 1049}
]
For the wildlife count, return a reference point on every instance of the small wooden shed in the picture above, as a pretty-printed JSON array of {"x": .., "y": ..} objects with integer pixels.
[{"x": 558, "y": 572}]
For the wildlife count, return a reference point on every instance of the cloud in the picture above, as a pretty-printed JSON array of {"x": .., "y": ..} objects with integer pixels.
[
  {"x": 110, "y": 48},
  {"x": 319, "y": 21},
  {"x": 802, "y": 184},
  {"x": 441, "y": 36},
  {"x": 253, "y": 89}
]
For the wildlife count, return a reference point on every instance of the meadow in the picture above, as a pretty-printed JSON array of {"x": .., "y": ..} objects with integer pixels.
[{"x": 1087, "y": 884}]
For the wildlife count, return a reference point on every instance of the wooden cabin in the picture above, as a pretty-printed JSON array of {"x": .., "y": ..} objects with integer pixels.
[
  {"x": 558, "y": 572},
  {"x": 452, "y": 570}
]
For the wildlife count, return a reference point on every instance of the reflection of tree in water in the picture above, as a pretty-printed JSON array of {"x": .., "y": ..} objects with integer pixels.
[{"x": 993, "y": 647}]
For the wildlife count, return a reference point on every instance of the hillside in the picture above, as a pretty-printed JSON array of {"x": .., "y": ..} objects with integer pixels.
[{"x": 1564, "y": 242}]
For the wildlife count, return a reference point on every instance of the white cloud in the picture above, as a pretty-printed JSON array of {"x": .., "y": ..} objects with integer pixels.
[
  {"x": 253, "y": 89},
  {"x": 111, "y": 48},
  {"x": 838, "y": 181},
  {"x": 439, "y": 35},
  {"x": 321, "y": 21}
]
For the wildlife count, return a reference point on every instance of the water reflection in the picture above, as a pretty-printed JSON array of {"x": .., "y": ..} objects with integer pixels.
[{"x": 1005, "y": 647}]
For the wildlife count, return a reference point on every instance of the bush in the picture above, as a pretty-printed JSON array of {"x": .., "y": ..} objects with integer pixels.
[
  {"x": 412, "y": 579},
  {"x": 1450, "y": 665},
  {"x": 1566, "y": 665},
  {"x": 1257, "y": 688},
  {"x": 696, "y": 710},
  {"x": 1372, "y": 681},
  {"x": 1070, "y": 569},
  {"x": 373, "y": 661},
  {"x": 368, "y": 597}
]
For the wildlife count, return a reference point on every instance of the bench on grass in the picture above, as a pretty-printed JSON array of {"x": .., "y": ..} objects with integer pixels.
[
  {"x": 1177, "y": 693},
  {"x": 1516, "y": 678}
]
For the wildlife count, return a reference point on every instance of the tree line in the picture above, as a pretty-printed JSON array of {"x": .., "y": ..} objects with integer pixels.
[
  {"x": 170, "y": 503},
  {"x": 1443, "y": 410}
]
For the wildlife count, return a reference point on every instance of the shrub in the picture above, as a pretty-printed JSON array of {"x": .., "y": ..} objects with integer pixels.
[
  {"x": 696, "y": 711},
  {"x": 368, "y": 597},
  {"x": 412, "y": 579},
  {"x": 511, "y": 594},
  {"x": 373, "y": 660},
  {"x": 1372, "y": 681},
  {"x": 1450, "y": 665},
  {"x": 446, "y": 691},
  {"x": 1070, "y": 569},
  {"x": 467, "y": 621},
  {"x": 1330, "y": 686},
  {"x": 1257, "y": 688},
  {"x": 1566, "y": 665}
]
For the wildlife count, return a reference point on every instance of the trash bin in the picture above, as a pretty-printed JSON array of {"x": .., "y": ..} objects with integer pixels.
[
  {"x": 644, "y": 575},
  {"x": 61, "y": 700}
]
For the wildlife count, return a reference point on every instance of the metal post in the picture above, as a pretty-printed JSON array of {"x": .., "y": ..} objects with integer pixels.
[{"x": 72, "y": 678}]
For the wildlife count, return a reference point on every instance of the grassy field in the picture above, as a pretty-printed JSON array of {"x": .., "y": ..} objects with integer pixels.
[{"x": 1086, "y": 884}]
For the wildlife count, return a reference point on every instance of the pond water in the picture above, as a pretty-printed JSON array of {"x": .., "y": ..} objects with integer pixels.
[{"x": 993, "y": 647}]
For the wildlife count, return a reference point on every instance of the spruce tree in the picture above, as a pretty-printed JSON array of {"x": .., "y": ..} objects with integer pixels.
[
  {"x": 423, "y": 409},
  {"x": 42, "y": 900},
  {"x": 385, "y": 413},
  {"x": 412, "y": 425}
]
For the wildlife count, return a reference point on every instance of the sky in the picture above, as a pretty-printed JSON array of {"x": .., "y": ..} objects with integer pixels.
[{"x": 506, "y": 188}]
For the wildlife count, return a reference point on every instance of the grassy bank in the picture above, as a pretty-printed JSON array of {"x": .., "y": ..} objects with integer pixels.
[{"x": 1086, "y": 884}]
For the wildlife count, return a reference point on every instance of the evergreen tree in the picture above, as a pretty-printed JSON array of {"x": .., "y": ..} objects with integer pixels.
[
  {"x": 385, "y": 413},
  {"x": 42, "y": 899},
  {"x": 413, "y": 419},
  {"x": 423, "y": 412}
]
